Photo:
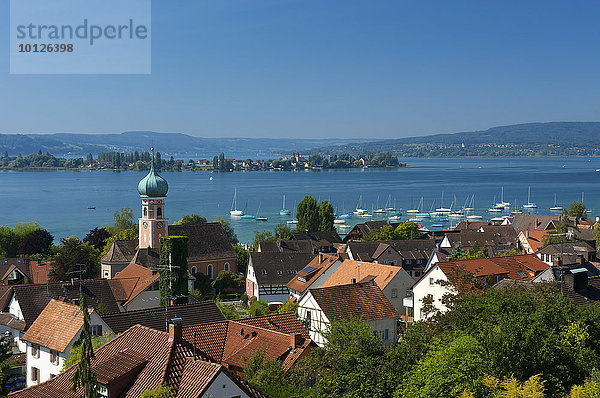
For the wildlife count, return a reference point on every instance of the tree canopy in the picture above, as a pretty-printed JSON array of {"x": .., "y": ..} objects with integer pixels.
[
  {"x": 74, "y": 255},
  {"x": 190, "y": 219}
]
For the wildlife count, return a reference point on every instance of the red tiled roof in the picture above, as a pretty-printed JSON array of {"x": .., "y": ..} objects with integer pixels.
[
  {"x": 383, "y": 274},
  {"x": 321, "y": 264},
  {"x": 149, "y": 359},
  {"x": 56, "y": 326},
  {"x": 356, "y": 300},
  {"x": 510, "y": 266},
  {"x": 132, "y": 281},
  {"x": 234, "y": 342}
]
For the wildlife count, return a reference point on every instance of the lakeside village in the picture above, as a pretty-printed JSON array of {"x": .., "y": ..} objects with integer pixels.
[
  {"x": 149, "y": 308},
  {"x": 141, "y": 161}
]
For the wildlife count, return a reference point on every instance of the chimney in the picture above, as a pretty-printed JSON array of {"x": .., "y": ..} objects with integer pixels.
[
  {"x": 577, "y": 279},
  {"x": 527, "y": 233},
  {"x": 295, "y": 339},
  {"x": 320, "y": 258},
  {"x": 175, "y": 331}
]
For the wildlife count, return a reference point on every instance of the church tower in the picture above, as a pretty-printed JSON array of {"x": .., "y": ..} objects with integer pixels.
[{"x": 153, "y": 224}]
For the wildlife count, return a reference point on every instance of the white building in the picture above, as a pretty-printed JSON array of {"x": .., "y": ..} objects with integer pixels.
[
  {"x": 50, "y": 339},
  {"x": 365, "y": 300}
]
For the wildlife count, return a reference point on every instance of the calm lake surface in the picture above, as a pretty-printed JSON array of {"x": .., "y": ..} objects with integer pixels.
[{"x": 59, "y": 200}]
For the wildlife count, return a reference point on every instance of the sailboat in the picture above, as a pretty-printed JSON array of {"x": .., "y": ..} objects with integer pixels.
[
  {"x": 284, "y": 211},
  {"x": 556, "y": 207},
  {"x": 502, "y": 203},
  {"x": 246, "y": 215},
  {"x": 469, "y": 207},
  {"x": 257, "y": 218},
  {"x": 359, "y": 209},
  {"x": 388, "y": 204},
  {"x": 417, "y": 210},
  {"x": 472, "y": 207},
  {"x": 443, "y": 209},
  {"x": 378, "y": 210},
  {"x": 529, "y": 204},
  {"x": 497, "y": 208},
  {"x": 234, "y": 211}
]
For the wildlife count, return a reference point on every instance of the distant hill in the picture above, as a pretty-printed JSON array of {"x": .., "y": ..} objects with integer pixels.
[
  {"x": 175, "y": 144},
  {"x": 529, "y": 139}
]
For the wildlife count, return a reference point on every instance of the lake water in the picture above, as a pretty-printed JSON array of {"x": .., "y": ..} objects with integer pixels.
[{"x": 59, "y": 200}]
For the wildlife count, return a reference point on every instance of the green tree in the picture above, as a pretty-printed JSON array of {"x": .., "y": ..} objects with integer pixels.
[
  {"x": 448, "y": 370},
  {"x": 71, "y": 253},
  {"x": 259, "y": 236},
  {"x": 259, "y": 307},
  {"x": 242, "y": 258},
  {"x": 174, "y": 269},
  {"x": 407, "y": 230},
  {"x": 36, "y": 242},
  {"x": 127, "y": 234},
  {"x": 577, "y": 209},
  {"x": 84, "y": 377},
  {"x": 202, "y": 284},
  {"x": 97, "y": 237},
  {"x": 158, "y": 392},
  {"x": 282, "y": 231},
  {"x": 288, "y": 306},
  {"x": 190, "y": 219},
  {"x": 307, "y": 214},
  {"x": 228, "y": 280},
  {"x": 326, "y": 216},
  {"x": 228, "y": 230},
  {"x": 123, "y": 221},
  {"x": 75, "y": 352}
]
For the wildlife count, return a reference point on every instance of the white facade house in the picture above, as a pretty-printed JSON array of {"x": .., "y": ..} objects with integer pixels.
[
  {"x": 428, "y": 287},
  {"x": 269, "y": 272},
  {"x": 50, "y": 339},
  {"x": 314, "y": 275},
  {"x": 318, "y": 307}
]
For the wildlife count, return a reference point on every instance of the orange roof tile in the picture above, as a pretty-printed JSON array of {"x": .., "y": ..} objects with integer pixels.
[
  {"x": 132, "y": 281},
  {"x": 359, "y": 270},
  {"x": 510, "y": 266},
  {"x": 356, "y": 300},
  {"x": 56, "y": 326},
  {"x": 321, "y": 264}
]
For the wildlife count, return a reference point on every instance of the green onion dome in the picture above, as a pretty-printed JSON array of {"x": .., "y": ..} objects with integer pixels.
[{"x": 153, "y": 185}]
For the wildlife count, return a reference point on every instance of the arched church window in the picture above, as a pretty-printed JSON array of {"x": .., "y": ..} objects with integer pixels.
[
  {"x": 145, "y": 212},
  {"x": 226, "y": 266},
  {"x": 209, "y": 271},
  {"x": 159, "y": 211},
  {"x": 194, "y": 270}
]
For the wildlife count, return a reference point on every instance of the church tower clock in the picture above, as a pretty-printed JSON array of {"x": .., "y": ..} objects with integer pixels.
[{"x": 153, "y": 224}]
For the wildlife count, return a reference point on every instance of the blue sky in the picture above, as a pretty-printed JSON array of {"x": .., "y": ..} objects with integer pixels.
[{"x": 316, "y": 69}]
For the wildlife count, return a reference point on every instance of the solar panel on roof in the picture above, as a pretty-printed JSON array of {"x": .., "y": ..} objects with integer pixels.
[{"x": 308, "y": 269}]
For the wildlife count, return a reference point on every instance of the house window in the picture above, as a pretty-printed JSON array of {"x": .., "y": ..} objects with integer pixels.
[
  {"x": 209, "y": 271},
  {"x": 431, "y": 281},
  {"x": 194, "y": 270},
  {"x": 394, "y": 293},
  {"x": 407, "y": 262},
  {"x": 97, "y": 330},
  {"x": 308, "y": 317},
  {"x": 226, "y": 266},
  {"x": 498, "y": 278},
  {"x": 279, "y": 272},
  {"x": 264, "y": 271},
  {"x": 417, "y": 273},
  {"x": 35, "y": 350},
  {"x": 408, "y": 293},
  {"x": 353, "y": 280},
  {"x": 419, "y": 261},
  {"x": 35, "y": 374},
  {"x": 54, "y": 357}
]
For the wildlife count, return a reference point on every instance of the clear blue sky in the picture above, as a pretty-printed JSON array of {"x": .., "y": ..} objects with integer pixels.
[{"x": 314, "y": 68}]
